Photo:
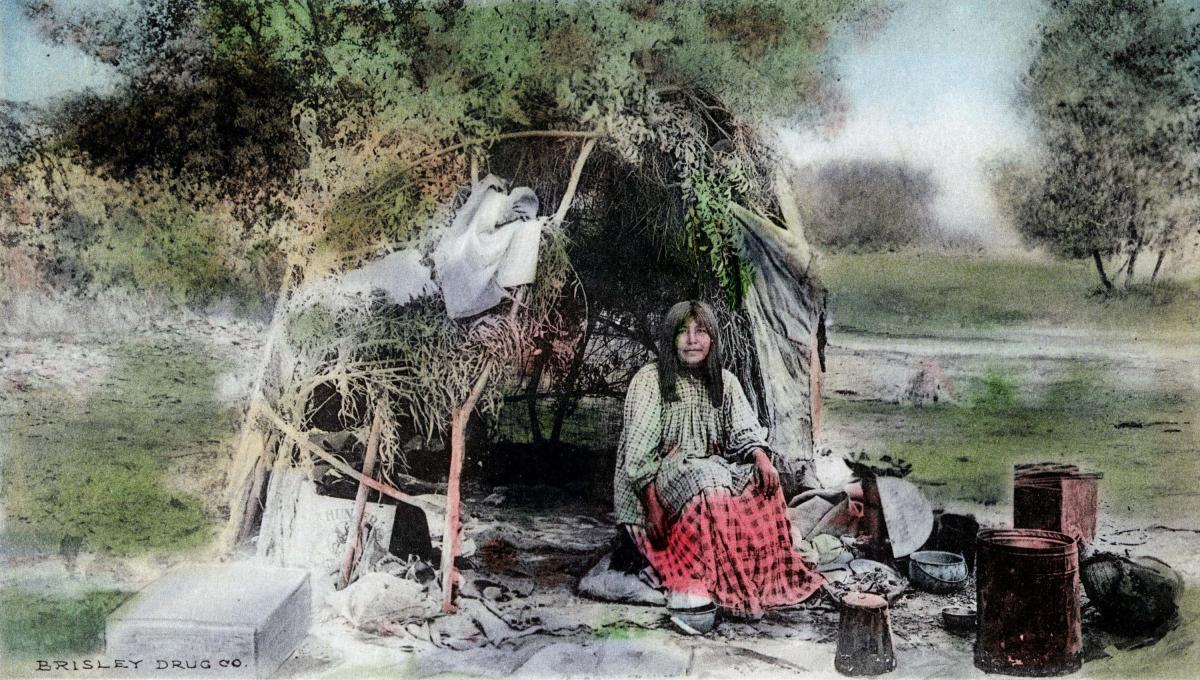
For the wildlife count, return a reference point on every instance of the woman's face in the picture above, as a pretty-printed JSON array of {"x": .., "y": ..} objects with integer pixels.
[{"x": 692, "y": 344}]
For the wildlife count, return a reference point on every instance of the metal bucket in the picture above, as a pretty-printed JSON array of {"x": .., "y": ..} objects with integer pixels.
[
  {"x": 935, "y": 571},
  {"x": 1028, "y": 603}
]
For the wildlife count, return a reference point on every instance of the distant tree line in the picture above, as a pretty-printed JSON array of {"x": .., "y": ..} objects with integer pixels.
[{"x": 867, "y": 205}]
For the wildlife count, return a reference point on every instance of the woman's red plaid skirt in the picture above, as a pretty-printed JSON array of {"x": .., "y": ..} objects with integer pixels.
[{"x": 737, "y": 550}]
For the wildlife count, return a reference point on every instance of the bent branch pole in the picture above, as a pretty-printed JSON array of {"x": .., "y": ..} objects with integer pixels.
[
  {"x": 573, "y": 185},
  {"x": 354, "y": 548},
  {"x": 521, "y": 134},
  {"x": 301, "y": 440},
  {"x": 458, "y": 431}
]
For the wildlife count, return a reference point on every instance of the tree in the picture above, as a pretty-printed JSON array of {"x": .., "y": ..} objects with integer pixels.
[
  {"x": 372, "y": 115},
  {"x": 1115, "y": 90}
]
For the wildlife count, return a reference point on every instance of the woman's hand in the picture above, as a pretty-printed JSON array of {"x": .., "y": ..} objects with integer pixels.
[
  {"x": 765, "y": 474},
  {"x": 656, "y": 517}
]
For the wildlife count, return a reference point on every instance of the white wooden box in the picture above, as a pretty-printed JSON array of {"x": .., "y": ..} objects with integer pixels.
[{"x": 234, "y": 620}]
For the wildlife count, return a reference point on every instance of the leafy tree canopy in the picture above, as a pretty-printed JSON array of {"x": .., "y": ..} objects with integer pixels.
[
  {"x": 1115, "y": 89},
  {"x": 213, "y": 86}
]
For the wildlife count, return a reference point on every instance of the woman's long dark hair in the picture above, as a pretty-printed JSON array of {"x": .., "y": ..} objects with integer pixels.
[{"x": 669, "y": 367}]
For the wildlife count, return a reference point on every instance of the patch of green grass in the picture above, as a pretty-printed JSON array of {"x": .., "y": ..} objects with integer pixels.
[
  {"x": 32, "y": 624},
  {"x": 924, "y": 293},
  {"x": 90, "y": 473},
  {"x": 995, "y": 393},
  {"x": 617, "y": 631},
  {"x": 965, "y": 450}
]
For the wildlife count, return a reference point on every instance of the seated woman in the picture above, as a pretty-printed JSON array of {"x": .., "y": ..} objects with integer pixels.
[{"x": 695, "y": 488}]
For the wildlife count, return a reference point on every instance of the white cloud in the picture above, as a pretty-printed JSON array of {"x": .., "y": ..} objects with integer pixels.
[
  {"x": 33, "y": 70},
  {"x": 936, "y": 89}
]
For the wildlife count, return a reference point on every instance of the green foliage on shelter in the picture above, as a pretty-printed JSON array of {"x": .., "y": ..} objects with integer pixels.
[{"x": 323, "y": 126}]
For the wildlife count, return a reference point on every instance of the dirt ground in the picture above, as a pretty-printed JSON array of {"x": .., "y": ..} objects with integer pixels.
[{"x": 533, "y": 544}]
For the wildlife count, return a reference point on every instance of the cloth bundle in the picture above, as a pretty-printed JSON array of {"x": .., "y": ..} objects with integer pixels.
[{"x": 491, "y": 245}]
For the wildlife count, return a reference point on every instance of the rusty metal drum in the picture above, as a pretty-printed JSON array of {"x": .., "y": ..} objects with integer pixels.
[
  {"x": 1028, "y": 603},
  {"x": 1056, "y": 497}
]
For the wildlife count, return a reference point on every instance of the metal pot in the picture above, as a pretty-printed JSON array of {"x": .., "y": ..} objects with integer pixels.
[{"x": 937, "y": 572}]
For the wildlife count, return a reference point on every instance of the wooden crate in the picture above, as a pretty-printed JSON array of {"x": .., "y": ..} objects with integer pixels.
[{"x": 233, "y": 620}]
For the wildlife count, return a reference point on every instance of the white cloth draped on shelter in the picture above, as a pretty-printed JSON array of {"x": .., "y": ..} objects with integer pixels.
[
  {"x": 400, "y": 277},
  {"x": 491, "y": 245}
]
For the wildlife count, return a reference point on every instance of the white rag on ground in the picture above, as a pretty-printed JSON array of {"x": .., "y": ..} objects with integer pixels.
[
  {"x": 383, "y": 601},
  {"x": 377, "y": 598},
  {"x": 491, "y": 245}
]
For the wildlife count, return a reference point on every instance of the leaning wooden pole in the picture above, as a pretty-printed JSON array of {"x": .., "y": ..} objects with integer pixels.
[
  {"x": 302, "y": 442},
  {"x": 458, "y": 451},
  {"x": 573, "y": 184},
  {"x": 248, "y": 456},
  {"x": 253, "y": 499},
  {"x": 814, "y": 384},
  {"x": 354, "y": 547}
]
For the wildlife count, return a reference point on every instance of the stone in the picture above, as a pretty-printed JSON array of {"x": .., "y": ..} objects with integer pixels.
[{"x": 232, "y": 620}]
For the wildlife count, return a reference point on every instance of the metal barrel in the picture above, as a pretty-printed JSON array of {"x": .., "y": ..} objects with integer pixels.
[{"x": 1027, "y": 602}]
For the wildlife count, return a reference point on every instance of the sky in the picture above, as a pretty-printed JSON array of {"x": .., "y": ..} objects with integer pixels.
[
  {"x": 34, "y": 71},
  {"x": 936, "y": 89}
]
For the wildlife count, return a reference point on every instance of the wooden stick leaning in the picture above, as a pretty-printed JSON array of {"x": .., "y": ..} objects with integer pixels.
[
  {"x": 354, "y": 548},
  {"x": 253, "y": 503},
  {"x": 242, "y": 470},
  {"x": 302, "y": 441},
  {"x": 458, "y": 446}
]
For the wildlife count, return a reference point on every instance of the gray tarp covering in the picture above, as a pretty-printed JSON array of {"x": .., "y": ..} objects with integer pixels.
[{"x": 784, "y": 307}]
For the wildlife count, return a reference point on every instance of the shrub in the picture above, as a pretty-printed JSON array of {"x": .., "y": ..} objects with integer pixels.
[
  {"x": 868, "y": 205},
  {"x": 184, "y": 254}
]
